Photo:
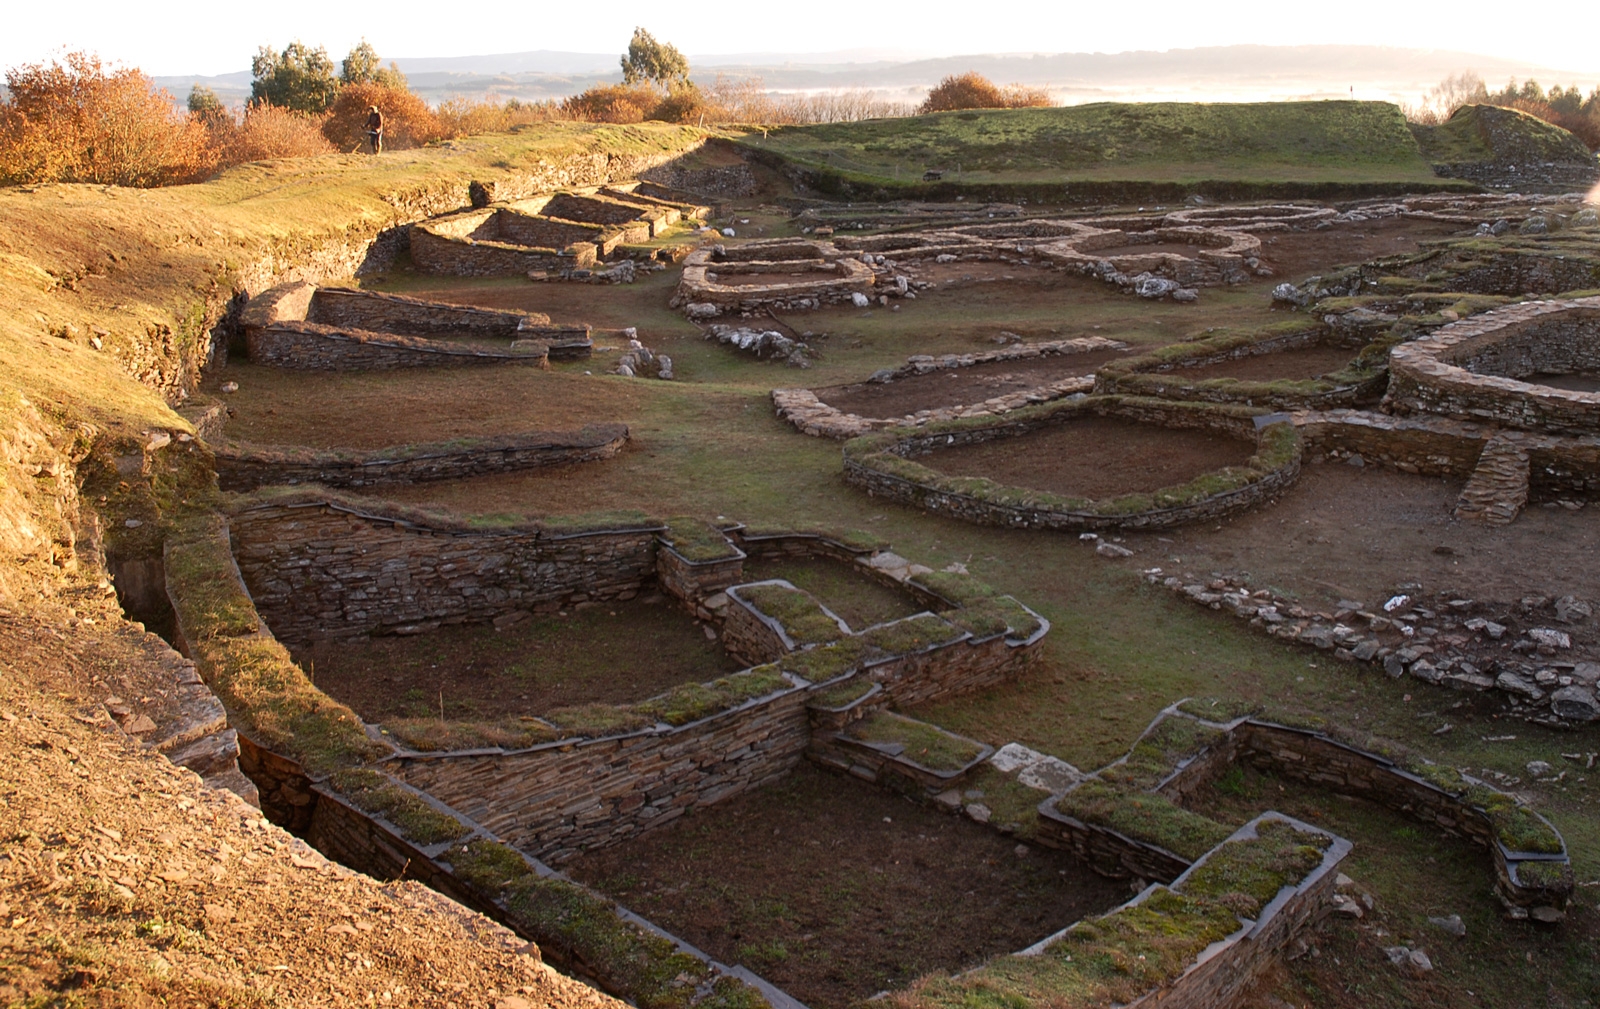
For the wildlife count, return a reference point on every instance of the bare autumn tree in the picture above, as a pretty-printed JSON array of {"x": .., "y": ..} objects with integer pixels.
[{"x": 77, "y": 120}]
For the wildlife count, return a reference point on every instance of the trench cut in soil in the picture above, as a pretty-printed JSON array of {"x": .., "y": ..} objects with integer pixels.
[
  {"x": 1095, "y": 458},
  {"x": 610, "y": 653},
  {"x": 834, "y": 889},
  {"x": 1312, "y": 362},
  {"x": 960, "y": 386}
]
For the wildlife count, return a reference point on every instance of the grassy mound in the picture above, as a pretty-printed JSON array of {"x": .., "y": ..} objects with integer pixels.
[
  {"x": 1268, "y": 145},
  {"x": 1488, "y": 133}
]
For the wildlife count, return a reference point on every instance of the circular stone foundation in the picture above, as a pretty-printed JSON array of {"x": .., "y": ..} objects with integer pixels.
[
  {"x": 781, "y": 273},
  {"x": 1276, "y": 217},
  {"x": 1211, "y": 256},
  {"x": 1096, "y": 463},
  {"x": 1498, "y": 367}
]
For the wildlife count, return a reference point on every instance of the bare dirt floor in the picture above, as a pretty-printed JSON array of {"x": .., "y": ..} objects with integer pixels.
[
  {"x": 957, "y": 386},
  {"x": 608, "y": 653},
  {"x": 1094, "y": 458},
  {"x": 1294, "y": 255},
  {"x": 1341, "y": 532},
  {"x": 377, "y": 409},
  {"x": 1310, "y": 362},
  {"x": 834, "y": 889}
]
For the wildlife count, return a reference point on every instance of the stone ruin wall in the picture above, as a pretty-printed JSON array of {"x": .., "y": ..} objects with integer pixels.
[
  {"x": 1452, "y": 371},
  {"x": 322, "y": 571},
  {"x": 336, "y": 306},
  {"x": 300, "y": 326},
  {"x": 244, "y": 467},
  {"x": 561, "y": 798},
  {"x": 312, "y": 347}
]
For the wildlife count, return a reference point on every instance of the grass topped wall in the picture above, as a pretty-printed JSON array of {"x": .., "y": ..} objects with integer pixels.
[
  {"x": 884, "y": 464},
  {"x": 1150, "y": 374},
  {"x": 272, "y": 702}
]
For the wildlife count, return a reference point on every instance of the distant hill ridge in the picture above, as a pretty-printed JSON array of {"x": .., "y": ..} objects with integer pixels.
[{"x": 1219, "y": 72}]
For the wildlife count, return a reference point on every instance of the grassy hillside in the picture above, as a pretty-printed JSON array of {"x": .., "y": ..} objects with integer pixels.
[
  {"x": 107, "y": 294},
  {"x": 1480, "y": 133},
  {"x": 1306, "y": 144}
]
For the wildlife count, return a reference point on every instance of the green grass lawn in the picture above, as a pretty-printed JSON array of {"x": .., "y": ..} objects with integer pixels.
[{"x": 1340, "y": 142}]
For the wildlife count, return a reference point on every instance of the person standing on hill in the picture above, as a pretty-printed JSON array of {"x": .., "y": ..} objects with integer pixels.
[{"x": 375, "y": 129}]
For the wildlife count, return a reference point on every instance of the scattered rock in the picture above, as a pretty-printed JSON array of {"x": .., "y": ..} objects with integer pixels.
[
  {"x": 1452, "y": 925},
  {"x": 1550, "y": 637},
  {"x": 860, "y": 300},
  {"x": 1575, "y": 703},
  {"x": 1112, "y": 550}
]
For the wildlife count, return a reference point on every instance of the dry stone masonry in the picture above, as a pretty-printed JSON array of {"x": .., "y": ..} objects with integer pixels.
[
  {"x": 811, "y": 416},
  {"x": 300, "y": 326},
  {"x": 564, "y": 234}
]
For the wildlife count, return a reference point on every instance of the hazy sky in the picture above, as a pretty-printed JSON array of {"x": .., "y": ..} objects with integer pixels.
[{"x": 214, "y": 39}]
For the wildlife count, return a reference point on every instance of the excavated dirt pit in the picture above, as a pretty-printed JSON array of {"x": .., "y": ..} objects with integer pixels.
[
  {"x": 854, "y": 595},
  {"x": 957, "y": 386},
  {"x": 1094, "y": 458},
  {"x": 1295, "y": 254},
  {"x": 376, "y": 409},
  {"x": 834, "y": 889},
  {"x": 1312, "y": 362},
  {"x": 1357, "y": 533},
  {"x": 604, "y": 653}
]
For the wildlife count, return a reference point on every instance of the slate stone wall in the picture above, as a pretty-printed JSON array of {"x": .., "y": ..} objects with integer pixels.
[{"x": 323, "y": 570}]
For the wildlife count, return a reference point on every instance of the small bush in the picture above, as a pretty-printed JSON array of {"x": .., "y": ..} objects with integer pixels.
[
  {"x": 268, "y": 131},
  {"x": 460, "y": 117},
  {"x": 612, "y": 103},
  {"x": 972, "y": 90},
  {"x": 77, "y": 120},
  {"x": 407, "y": 120}
]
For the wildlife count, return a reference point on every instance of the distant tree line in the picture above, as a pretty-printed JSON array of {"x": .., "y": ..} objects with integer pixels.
[
  {"x": 77, "y": 119},
  {"x": 1568, "y": 108}
]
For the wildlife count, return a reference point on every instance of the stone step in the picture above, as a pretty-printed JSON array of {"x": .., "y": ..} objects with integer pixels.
[{"x": 1498, "y": 488}]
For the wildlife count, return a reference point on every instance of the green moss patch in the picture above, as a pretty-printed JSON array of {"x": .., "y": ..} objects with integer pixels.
[
  {"x": 1515, "y": 826},
  {"x": 595, "y": 720},
  {"x": 200, "y": 568},
  {"x": 913, "y": 634},
  {"x": 694, "y": 701},
  {"x": 1218, "y": 709},
  {"x": 819, "y": 665},
  {"x": 1144, "y": 816},
  {"x": 842, "y": 695},
  {"x": 1252, "y": 874},
  {"x": 1160, "y": 750},
  {"x": 924, "y": 744},
  {"x": 266, "y": 694},
  {"x": 1545, "y": 875},
  {"x": 433, "y": 735},
  {"x": 954, "y": 588},
  {"x": 698, "y": 541},
  {"x": 418, "y": 821},
  {"x": 800, "y": 615}
]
